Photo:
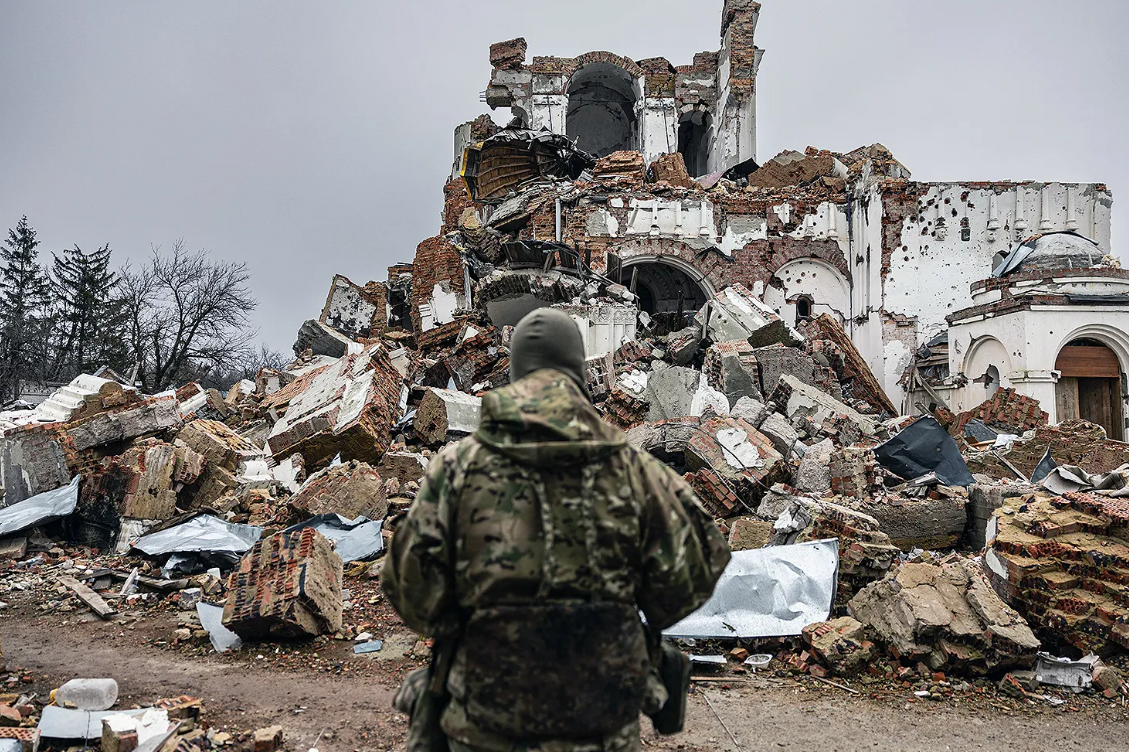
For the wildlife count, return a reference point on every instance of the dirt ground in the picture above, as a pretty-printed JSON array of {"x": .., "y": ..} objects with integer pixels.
[{"x": 344, "y": 700}]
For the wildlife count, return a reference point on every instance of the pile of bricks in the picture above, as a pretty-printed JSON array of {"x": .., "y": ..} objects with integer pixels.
[
  {"x": 288, "y": 585},
  {"x": 1063, "y": 562}
]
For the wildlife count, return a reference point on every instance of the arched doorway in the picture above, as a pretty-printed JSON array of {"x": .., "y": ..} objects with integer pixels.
[
  {"x": 668, "y": 293},
  {"x": 1090, "y": 385},
  {"x": 601, "y": 115},
  {"x": 694, "y": 141}
]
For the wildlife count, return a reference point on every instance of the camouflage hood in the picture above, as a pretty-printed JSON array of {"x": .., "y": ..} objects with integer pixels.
[{"x": 545, "y": 420}]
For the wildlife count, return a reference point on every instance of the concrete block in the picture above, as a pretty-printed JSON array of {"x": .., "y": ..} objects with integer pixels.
[
  {"x": 288, "y": 585},
  {"x": 445, "y": 414},
  {"x": 780, "y": 432},
  {"x": 814, "y": 473},
  {"x": 351, "y": 489}
]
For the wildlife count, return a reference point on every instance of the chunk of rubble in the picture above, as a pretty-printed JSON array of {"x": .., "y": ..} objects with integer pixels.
[
  {"x": 32, "y": 461},
  {"x": 947, "y": 616},
  {"x": 444, "y": 415},
  {"x": 403, "y": 466},
  {"x": 777, "y": 360},
  {"x": 983, "y": 501},
  {"x": 747, "y": 533},
  {"x": 734, "y": 313},
  {"x": 800, "y": 401},
  {"x": 154, "y": 416},
  {"x": 84, "y": 397},
  {"x": 1062, "y": 562},
  {"x": 750, "y": 410},
  {"x": 857, "y": 379},
  {"x": 841, "y": 645},
  {"x": 1006, "y": 411},
  {"x": 744, "y": 459},
  {"x": 935, "y": 521},
  {"x": 780, "y": 433},
  {"x": 347, "y": 408},
  {"x": 865, "y": 552},
  {"x": 814, "y": 473},
  {"x": 677, "y": 392},
  {"x": 352, "y": 489},
  {"x": 288, "y": 585},
  {"x": 731, "y": 368}
]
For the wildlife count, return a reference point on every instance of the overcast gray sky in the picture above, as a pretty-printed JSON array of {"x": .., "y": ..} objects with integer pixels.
[{"x": 313, "y": 138}]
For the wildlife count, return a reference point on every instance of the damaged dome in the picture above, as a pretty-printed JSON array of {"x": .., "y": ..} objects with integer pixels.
[{"x": 1054, "y": 250}]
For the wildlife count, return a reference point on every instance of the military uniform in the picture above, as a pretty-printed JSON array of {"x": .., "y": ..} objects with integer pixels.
[{"x": 536, "y": 542}]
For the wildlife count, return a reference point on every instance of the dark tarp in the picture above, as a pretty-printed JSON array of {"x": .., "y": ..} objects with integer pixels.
[
  {"x": 925, "y": 447},
  {"x": 1043, "y": 469}
]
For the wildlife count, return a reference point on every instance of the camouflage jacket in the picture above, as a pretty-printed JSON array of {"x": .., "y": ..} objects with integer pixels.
[{"x": 547, "y": 502}]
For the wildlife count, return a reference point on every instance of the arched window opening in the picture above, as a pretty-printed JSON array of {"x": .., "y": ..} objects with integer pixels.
[
  {"x": 601, "y": 110},
  {"x": 1090, "y": 386},
  {"x": 804, "y": 306},
  {"x": 694, "y": 142},
  {"x": 669, "y": 295},
  {"x": 992, "y": 380}
]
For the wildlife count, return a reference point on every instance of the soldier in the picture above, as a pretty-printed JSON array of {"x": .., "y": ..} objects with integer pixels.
[{"x": 529, "y": 553}]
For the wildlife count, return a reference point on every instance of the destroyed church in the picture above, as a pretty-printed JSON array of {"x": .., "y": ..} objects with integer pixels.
[
  {"x": 902, "y": 401},
  {"x": 616, "y": 173}
]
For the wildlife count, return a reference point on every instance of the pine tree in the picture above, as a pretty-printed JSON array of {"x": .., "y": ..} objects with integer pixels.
[
  {"x": 24, "y": 297},
  {"x": 90, "y": 314}
]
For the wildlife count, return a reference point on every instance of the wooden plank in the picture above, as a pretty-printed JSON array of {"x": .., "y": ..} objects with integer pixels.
[
  {"x": 1084, "y": 361},
  {"x": 88, "y": 596}
]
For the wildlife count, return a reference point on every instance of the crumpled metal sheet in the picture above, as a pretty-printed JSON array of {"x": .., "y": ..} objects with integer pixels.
[
  {"x": 204, "y": 533},
  {"x": 211, "y": 619},
  {"x": 39, "y": 509},
  {"x": 354, "y": 540},
  {"x": 1073, "y": 479},
  {"x": 768, "y": 592},
  {"x": 922, "y": 447},
  {"x": 1063, "y": 672}
]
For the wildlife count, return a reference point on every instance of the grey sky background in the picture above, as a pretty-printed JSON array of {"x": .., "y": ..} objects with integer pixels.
[{"x": 313, "y": 138}]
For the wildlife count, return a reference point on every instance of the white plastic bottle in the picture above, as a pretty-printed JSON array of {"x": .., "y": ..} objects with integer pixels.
[{"x": 88, "y": 694}]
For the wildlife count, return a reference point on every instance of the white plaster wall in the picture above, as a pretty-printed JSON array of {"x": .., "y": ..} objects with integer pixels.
[
  {"x": 440, "y": 308},
  {"x": 823, "y": 283},
  {"x": 548, "y": 111},
  {"x": 932, "y": 272},
  {"x": 670, "y": 218},
  {"x": 659, "y": 127}
]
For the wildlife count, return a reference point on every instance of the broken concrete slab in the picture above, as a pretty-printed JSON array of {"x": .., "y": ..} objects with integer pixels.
[
  {"x": 288, "y": 585},
  {"x": 926, "y": 523},
  {"x": 677, "y": 392},
  {"x": 798, "y": 400},
  {"x": 445, "y": 414},
  {"x": 750, "y": 410},
  {"x": 780, "y": 432},
  {"x": 352, "y": 489},
  {"x": 347, "y": 408},
  {"x": 732, "y": 369},
  {"x": 32, "y": 461},
  {"x": 155, "y": 416},
  {"x": 947, "y": 616},
  {"x": 814, "y": 473},
  {"x": 777, "y": 360},
  {"x": 734, "y": 313}
]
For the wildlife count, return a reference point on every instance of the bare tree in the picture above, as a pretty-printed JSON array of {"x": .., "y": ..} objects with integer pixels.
[{"x": 188, "y": 316}]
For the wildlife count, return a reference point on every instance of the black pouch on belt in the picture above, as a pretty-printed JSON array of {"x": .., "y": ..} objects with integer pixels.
[{"x": 674, "y": 669}]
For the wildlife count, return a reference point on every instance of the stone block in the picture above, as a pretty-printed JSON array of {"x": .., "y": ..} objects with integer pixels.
[
  {"x": 403, "y": 466},
  {"x": 444, "y": 415},
  {"x": 32, "y": 461},
  {"x": 747, "y": 533},
  {"x": 800, "y": 401},
  {"x": 732, "y": 369},
  {"x": 750, "y": 410},
  {"x": 288, "y": 585},
  {"x": 814, "y": 473},
  {"x": 734, "y": 313},
  {"x": 840, "y": 644},
  {"x": 780, "y": 432},
  {"x": 947, "y": 616},
  {"x": 352, "y": 489}
]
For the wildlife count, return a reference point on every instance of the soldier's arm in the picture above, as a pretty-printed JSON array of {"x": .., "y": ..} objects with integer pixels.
[
  {"x": 417, "y": 575},
  {"x": 684, "y": 553}
]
